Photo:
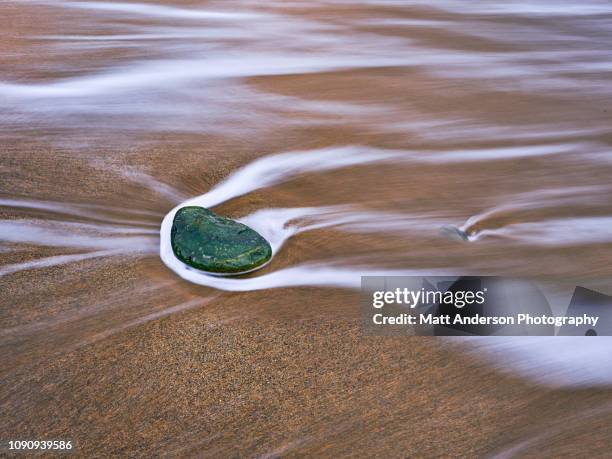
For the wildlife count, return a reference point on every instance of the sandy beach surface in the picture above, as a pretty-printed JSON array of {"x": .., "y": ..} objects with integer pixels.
[{"x": 495, "y": 118}]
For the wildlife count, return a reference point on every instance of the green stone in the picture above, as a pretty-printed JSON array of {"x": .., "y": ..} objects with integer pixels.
[{"x": 215, "y": 244}]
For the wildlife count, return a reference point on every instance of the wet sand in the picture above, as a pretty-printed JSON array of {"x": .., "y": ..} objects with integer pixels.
[
  {"x": 121, "y": 356},
  {"x": 200, "y": 384}
]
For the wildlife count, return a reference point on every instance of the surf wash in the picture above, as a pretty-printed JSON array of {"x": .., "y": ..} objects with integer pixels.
[{"x": 272, "y": 224}]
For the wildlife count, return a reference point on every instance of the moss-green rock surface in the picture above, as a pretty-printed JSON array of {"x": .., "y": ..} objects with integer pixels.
[{"x": 208, "y": 242}]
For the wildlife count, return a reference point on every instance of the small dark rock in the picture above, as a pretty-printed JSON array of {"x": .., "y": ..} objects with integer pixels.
[{"x": 453, "y": 232}]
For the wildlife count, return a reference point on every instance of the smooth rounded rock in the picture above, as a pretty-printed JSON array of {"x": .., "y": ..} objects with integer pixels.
[{"x": 219, "y": 245}]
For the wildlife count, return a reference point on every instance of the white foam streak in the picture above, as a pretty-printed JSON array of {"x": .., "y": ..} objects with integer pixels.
[
  {"x": 158, "y": 187},
  {"x": 514, "y": 8},
  {"x": 555, "y": 361},
  {"x": 562, "y": 231},
  {"x": 170, "y": 74},
  {"x": 556, "y": 232},
  {"x": 320, "y": 275},
  {"x": 274, "y": 169},
  {"x": 78, "y": 235},
  {"x": 160, "y": 11},
  {"x": 524, "y": 151},
  {"x": 278, "y": 225},
  {"x": 273, "y": 224},
  {"x": 56, "y": 261},
  {"x": 77, "y": 210}
]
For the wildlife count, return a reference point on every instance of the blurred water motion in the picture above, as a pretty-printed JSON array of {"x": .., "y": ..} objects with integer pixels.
[
  {"x": 137, "y": 66},
  {"x": 348, "y": 132}
]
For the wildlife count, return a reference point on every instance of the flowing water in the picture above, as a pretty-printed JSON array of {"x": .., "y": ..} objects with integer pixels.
[{"x": 348, "y": 133}]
